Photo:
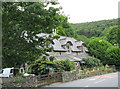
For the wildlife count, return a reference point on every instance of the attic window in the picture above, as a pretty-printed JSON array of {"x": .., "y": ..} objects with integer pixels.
[{"x": 69, "y": 43}]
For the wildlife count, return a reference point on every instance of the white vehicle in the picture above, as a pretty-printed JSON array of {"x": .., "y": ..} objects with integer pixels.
[{"x": 9, "y": 72}]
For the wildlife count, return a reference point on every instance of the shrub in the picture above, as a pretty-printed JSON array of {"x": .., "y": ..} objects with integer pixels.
[
  {"x": 41, "y": 66},
  {"x": 65, "y": 65},
  {"x": 92, "y": 62}
]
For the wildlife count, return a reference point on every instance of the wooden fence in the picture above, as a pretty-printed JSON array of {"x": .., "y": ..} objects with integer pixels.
[{"x": 49, "y": 78}]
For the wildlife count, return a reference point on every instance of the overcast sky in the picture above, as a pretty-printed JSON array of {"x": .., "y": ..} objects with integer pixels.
[{"x": 89, "y": 10}]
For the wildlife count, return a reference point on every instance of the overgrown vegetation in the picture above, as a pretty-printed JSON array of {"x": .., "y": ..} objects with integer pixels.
[
  {"x": 65, "y": 65},
  {"x": 92, "y": 62},
  {"x": 100, "y": 69},
  {"x": 43, "y": 66}
]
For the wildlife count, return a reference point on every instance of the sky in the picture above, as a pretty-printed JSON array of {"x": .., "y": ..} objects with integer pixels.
[{"x": 89, "y": 10}]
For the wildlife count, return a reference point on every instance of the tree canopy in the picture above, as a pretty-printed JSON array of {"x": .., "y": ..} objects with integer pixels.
[
  {"x": 105, "y": 51},
  {"x": 98, "y": 47},
  {"x": 21, "y": 22}
]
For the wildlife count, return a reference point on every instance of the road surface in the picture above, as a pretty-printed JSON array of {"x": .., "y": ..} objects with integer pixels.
[
  {"x": 0, "y": 83},
  {"x": 107, "y": 80}
]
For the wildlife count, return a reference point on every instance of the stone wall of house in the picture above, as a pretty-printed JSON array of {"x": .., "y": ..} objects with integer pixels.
[{"x": 64, "y": 53}]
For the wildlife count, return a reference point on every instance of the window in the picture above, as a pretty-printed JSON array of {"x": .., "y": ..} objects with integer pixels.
[
  {"x": 60, "y": 53},
  {"x": 1, "y": 71},
  {"x": 21, "y": 70},
  {"x": 11, "y": 71}
]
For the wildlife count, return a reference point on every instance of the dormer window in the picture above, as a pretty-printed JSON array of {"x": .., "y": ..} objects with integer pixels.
[{"x": 68, "y": 46}]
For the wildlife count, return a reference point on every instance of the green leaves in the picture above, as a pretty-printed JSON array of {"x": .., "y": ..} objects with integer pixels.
[
  {"x": 64, "y": 65},
  {"x": 93, "y": 29},
  {"x": 92, "y": 62},
  {"x": 22, "y": 21},
  {"x": 98, "y": 47},
  {"x": 113, "y": 56},
  {"x": 104, "y": 50},
  {"x": 112, "y": 36}
]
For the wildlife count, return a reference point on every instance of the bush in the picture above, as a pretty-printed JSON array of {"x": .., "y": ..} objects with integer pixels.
[
  {"x": 41, "y": 66},
  {"x": 92, "y": 62},
  {"x": 64, "y": 65},
  {"x": 19, "y": 75}
]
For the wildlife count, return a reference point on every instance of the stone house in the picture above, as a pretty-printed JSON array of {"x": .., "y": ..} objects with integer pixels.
[{"x": 68, "y": 48}]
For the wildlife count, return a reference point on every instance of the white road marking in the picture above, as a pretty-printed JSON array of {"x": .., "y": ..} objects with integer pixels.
[
  {"x": 91, "y": 79},
  {"x": 100, "y": 81}
]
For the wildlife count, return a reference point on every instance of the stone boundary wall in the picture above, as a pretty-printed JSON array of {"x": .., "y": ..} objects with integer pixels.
[
  {"x": 35, "y": 81},
  {"x": 19, "y": 82},
  {"x": 74, "y": 75}
]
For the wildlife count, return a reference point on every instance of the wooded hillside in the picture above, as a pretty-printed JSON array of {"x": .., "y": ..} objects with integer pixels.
[{"x": 93, "y": 29}]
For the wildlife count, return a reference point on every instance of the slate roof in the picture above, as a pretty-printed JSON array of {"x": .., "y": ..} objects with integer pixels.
[
  {"x": 63, "y": 40},
  {"x": 57, "y": 46},
  {"x": 58, "y": 43}
]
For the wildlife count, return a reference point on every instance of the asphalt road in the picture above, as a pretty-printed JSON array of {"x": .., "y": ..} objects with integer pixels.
[
  {"x": 107, "y": 80},
  {"x": 0, "y": 83}
]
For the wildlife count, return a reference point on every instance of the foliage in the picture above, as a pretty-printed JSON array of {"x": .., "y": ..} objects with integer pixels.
[
  {"x": 66, "y": 30},
  {"x": 102, "y": 49},
  {"x": 98, "y": 47},
  {"x": 19, "y": 75},
  {"x": 64, "y": 65},
  {"x": 52, "y": 58},
  {"x": 111, "y": 34},
  {"x": 21, "y": 23},
  {"x": 99, "y": 69},
  {"x": 82, "y": 38},
  {"x": 105, "y": 29},
  {"x": 118, "y": 35},
  {"x": 41, "y": 66},
  {"x": 93, "y": 29},
  {"x": 112, "y": 56},
  {"x": 92, "y": 62},
  {"x": 68, "y": 65}
]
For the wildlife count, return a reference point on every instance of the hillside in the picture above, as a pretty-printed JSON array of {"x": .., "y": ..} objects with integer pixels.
[{"x": 93, "y": 29}]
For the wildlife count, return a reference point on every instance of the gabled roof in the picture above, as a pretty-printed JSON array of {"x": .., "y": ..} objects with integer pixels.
[
  {"x": 57, "y": 46},
  {"x": 58, "y": 43}
]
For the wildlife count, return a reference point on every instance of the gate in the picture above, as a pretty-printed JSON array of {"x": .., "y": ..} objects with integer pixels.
[{"x": 49, "y": 78}]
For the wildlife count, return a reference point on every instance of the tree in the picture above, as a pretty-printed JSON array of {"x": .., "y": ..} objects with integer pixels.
[
  {"x": 93, "y": 29},
  {"x": 98, "y": 47},
  {"x": 21, "y": 22},
  {"x": 82, "y": 38},
  {"x": 112, "y": 36},
  {"x": 112, "y": 56},
  {"x": 118, "y": 35}
]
